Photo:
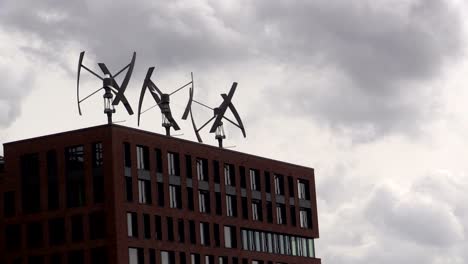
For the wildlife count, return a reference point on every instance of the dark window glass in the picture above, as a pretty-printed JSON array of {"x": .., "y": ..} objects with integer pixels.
[
  {"x": 152, "y": 256},
  {"x": 57, "y": 231},
  {"x": 13, "y": 237},
  {"x": 144, "y": 191},
  {"x": 188, "y": 166},
  {"x": 99, "y": 255},
  {"x": 243, "y": 181},
  {"x": 147, "y": 226},
  {"x": 97, "y": 225},
  {"x": 158, "y": 226},
  {"x": 159, "y": 163},
  {"x": 182, "y": 258},
  {"x": 98, "y": 175},
  {"x": 216, "y": 235},
  {"x": 173, "y": 163},
  {"x": 181, "y": 230},
  {"x": 204, "y": 234},
  {"x": 76, "y": 257},
  {"x": 9, "y": 205},
  {"x": 36, "y": 260},
  {"x": 34, "y": 235},
  {"x": 291, "y": 186},
  {"x": 279, "y": 184},
  {"x": 218, "y": 203},
  {"x": 190, "y": 198},
  {"x": 160, "y": 194},
  {"x": 269, "y": 207},
  {"x": 235, "y": 260},
  {"x": 229, "y": 175},
  {"x": 245, "y": 208},
  {"x": 202, "y": 169},
  {"x": 52, "y": 181},
  {"x": 75, "y": 178},
  {"x": 195, "y": 258},
  {"x": 129, "y": 189},
  {"x": 77, "y": 228},
  {"x": 292, "y": 211},
  {"x": 132, "y": 224},
  {"x": 216, "y": 171},
  {"x": 127, "y": 155},
  {"x": 170, "y": 229},
  {"x": 267, "y": 182},
  {"x": 192, "y": 233},
  {"x": 30, "y": 183},
  {"x": 142, "y": 157},
  {"x": 57, "y": 259}
]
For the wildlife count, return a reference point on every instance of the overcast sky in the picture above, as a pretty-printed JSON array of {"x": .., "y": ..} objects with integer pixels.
[{"x": 371, "y": 93}]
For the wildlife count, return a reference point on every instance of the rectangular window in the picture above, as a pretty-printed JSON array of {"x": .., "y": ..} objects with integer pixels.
[
  {"x": 204, "y": 201},
  {"x": 230, "y": 239},
  {"x": 135, "y": 256},
  {"x": 175, "y": 196},
  {"x": 142, "y": 157},
  {"x": 216, "y": 171},
  {"x": 173, "y": 163},
  {"x": 98, "y": 255},
  {"x": 218, "y": 205},
  {"x": 132, "y": 224},
  {"x": 181, "y": 230},
  {"x": 290, "y": 186},
  {"x": 97, "y": 155},
  {"x": 170, "y": 228},
  {"x": 13, "y": 237},
  {"x": 97, "y": 225},
  {"x": 147, "y": 226},
  {"x": 202, "y": 169},
  {"x": 192, "y": 232},
  {"x": 188, "y": 166},
  {"x": 30, "y": 183},
  {"x": 292, "y": 210},
  {"x": 98, "y": 175},
  {"x": 204, "y": 234},
  {"x": 209, "y": 259},
  {"x": 245, "y": 208},
  {"x": 303, "y": 189},
  {"x": 243, "y": 181},
  {"x": 267, "y": 182},
  {"x": 76, "y": 257},
  {"x": 269, "y": 208},
  {"x": 257, "y": 210},
  {"x": 229, "y": 175},
  {"x": 77, "y": 229},
  {"x": 305, "y": 218},
  {"x": 9, "y": 205},
  {"x": 34, "y": 235},
  {"x": 160, "y": 194},
  {"x": 127, "y": 155},
  {"x": 231, "y": 205},
  {"x": 159, "y": 163},
  {"x": 75, "y": 176},
  {"x": 223, "y": 260},
  {"x": 254, "y": 180},
  {"x": 280, "y": 214},
  {"x": 158, "y": 227},
  {"x": 128, "y": 189},
  {"x": 216, "y": 235},
  {"x": 182, "y": 258},
  {"x": 195, "y": 258},
  {"x": 144, "y": 191},
  {"x": 152, "y": 256},
  {"x": 279, "y": 184},
  {"x": 52, "y": 180},
  {"x": 190, "y": 198},
  {"x": 167, "y": 257}
]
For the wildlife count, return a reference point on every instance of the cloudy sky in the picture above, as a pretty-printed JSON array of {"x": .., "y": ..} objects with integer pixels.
[{"x": 371, "y": 93}]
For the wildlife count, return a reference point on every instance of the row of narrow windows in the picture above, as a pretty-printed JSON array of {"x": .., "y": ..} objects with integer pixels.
[
  {"x": 137, "y": 256},
  {"x": 173, "y": 160},
  {"x": 98, "y": 255},
  {"x": 180, "y": 230},
  {"x": 56, "y": 229}
]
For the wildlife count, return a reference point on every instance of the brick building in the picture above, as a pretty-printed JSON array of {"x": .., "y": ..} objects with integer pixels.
[{"x": 112, "y": 194}]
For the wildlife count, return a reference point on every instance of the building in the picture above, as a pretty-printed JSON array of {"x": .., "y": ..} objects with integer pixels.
[{"x": 112, "y": 194}]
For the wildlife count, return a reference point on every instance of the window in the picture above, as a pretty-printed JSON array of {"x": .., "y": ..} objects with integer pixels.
[
  {"x": 75, "y": 178},
  {"x": 97, "y": 155},
  {"x": 98, "y": 255},
  {"x": 243, "y": 182},
  {"x": 245, "y": 210},
  {"x": 231, "y": 205},
  {"x": 305, "y": 218},
  {"x": 144, "y": 191},
  {"x": 175, "y": 196},
  {"x": 9, "y": 206},
  {"x": 158, "y": 227},
  {"x": 170, "y": 228},
  {"x": 216, "y": 171},
  {"x": 37, "y": 260},
  {"x": 269, "y": 207},
  {"x": 142, "y": 157},
  {"x": 97, "y": 225},
  {"x": 135, "y": 256},
  {"x": 30, "y": 183},
  {"x": 98, "y": 175},
  {"x": 280, "y": 214},
  {"x": 128, "y": 189},
  {"x": 292, "y": 211},
  {"x": 216, "y": 235},
  {"x": 190, "y": 198},
  {"x": 167, "y": 257},
  {"x": 192, "y": 232},
  {"x": 195, "y": 258},
  {"x": 146, "y": 226},
  {"x": 230, "y": 240},
  {"x": 223, "y": 260},
  {"x": 127, "y": 155},
  {"x": 204, "y": 234},
  {"x": 56, "y": 231},
  {"x": 188, "y": 166},
  {"x": 159, "y": 164},
  {"x": 77, "y": 228},
  {"x": 13, "y": 237},
  {"x": 202, "y": 169},
  {"x": 160, "y": 194},
  {"x": 52, "y": 180},
  {"x": 267, "y": 182},
  {"x": 204, "y": 201},
  {"x": 303, "y": 189},
  {"x": 229, "y": 176},
  {"x": 56, "y": 258},
  {"x": 34, "y": 235},
  {"x": 218, "y": 205},
  {"x": 182, "y": 258},
  {"x": 257, "y": 210},
  {"x": 181, "y": 230},
  {"x": 279, "y": 184},
  {"x": 132, "y": 224},
  {"x": 173, "y": 163},
  {"x": 254, "y": 180},
  {"x": 152, "y": 256},
  {"x": 209, "y": 259}
]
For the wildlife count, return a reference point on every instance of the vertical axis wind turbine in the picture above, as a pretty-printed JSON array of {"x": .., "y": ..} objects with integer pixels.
[
  {"x": 218, "y": 115},
  {"x": 109, "y": 85},
  {"x": 162, "y": 101}
]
